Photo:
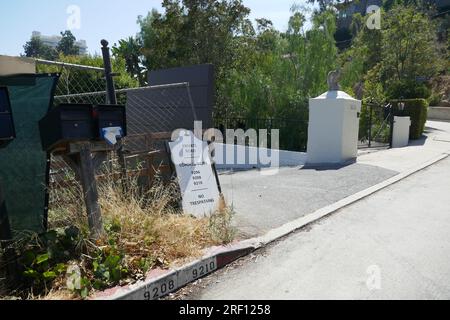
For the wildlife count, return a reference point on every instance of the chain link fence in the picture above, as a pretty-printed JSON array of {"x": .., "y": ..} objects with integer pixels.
[
  {"x": 77, "y": 83},
  {"x": 152, "y": 114}
]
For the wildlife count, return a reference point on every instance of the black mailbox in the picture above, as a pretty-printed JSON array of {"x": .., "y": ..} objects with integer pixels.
[
  {"x": 107, "y": 116},
  {"x": 67, "y": 123},
  {"x": 7, "y": 131}
]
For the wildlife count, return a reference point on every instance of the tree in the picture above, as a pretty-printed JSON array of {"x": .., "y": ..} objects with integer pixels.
[
  {"x": 280, "y": 80},
  {"x": 361, "y": 57},
  {"x": 409, "y": 49},
  {"x": 130, "y": 50},
  {"x": 324, "y": 5},
  {"x": 192, "y": 32},
  {"x": 67, "y": 45},
  {"x": 408, "y": 45},
  {"x": 196, "y": 32},
  {"x": 389, "y": 61},
  {"x": 267, "y": 35},
  {"x": 35, "y": 48}
]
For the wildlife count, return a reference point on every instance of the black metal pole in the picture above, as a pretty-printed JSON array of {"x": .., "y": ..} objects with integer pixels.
[
  {"x": 214, "y": 169},
  {"x": 111, "y": 93}
]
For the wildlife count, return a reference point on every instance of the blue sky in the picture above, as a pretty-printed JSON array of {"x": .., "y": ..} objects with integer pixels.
[{"x": 109, "y": 19}]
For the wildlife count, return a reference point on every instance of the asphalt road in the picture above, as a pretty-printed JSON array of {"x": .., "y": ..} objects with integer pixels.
[
  {"x": 264, "y": 202},
  {"x": 394, "y": 244}
]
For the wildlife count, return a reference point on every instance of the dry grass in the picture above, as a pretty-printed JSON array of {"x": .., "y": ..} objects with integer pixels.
[
  {"x": 55, "y": 295},
  {"x": 149, "y": 225},
  {"x": 146, "y": 228},
  {"x": 145, "y": 225}
]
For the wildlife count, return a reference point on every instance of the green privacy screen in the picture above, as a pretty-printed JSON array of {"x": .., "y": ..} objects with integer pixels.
[{"x": 23, "y": 164}]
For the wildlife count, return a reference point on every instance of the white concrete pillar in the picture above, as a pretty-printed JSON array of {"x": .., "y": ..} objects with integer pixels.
[
  {"x": 400, "y": 137},
  {"x": 333, "y": 128}
]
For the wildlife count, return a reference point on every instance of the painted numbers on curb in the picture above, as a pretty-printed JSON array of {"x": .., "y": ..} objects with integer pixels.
[
  {"x": 197, "y": 271},
  {"x": 161, "y": 288},
  {"x": 178, "y": 279}
]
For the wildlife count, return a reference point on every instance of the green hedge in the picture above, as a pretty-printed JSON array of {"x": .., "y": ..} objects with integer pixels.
[
  {"x": 407, "y": 89},
  {"x": 417, "y": 110}
]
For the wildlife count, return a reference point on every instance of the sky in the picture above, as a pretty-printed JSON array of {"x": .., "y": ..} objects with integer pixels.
[{"x": 99, "y": 19}]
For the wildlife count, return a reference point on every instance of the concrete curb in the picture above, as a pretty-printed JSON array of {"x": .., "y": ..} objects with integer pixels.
[
  {"x": 163, "y": 282},
  {"x": 160, "y": 283}
]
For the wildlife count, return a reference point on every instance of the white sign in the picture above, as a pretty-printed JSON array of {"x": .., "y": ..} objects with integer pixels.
[
  {"x": 111, "y": 134},
  {"x": 196, "y": 178}
]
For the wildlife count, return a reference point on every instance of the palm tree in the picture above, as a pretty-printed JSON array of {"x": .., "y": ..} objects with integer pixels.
[{"x": 130, "y": 50}]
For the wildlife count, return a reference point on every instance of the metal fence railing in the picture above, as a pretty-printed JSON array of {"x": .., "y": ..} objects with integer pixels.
[
  {"x": 375, "y": 127},
  {"x": 293, "y": 133}
]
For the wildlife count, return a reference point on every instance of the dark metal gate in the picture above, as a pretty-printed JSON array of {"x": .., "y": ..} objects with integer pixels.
[{"x": 375, "y": 127}]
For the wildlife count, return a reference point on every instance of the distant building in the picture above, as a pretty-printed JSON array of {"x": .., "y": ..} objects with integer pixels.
[
  {"x": 347, "y": 10},
  {"x": 52, "y": 41}
]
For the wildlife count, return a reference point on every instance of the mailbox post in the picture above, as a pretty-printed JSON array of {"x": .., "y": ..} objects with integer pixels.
[
  {"x": 89, "y": 184},
  {"x": 75, "y": 131}
]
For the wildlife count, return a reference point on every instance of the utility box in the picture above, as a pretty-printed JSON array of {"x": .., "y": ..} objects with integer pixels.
[
  {"x": 107, "y": 116},
  {"x": 333, "y": 128},
  {"x": 400, "y": 136},
  {"x": 67, "y": 123},
  {"x": 7, "y": 131}
]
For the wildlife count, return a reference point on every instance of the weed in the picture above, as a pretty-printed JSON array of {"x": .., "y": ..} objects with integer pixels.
[{"x": 144, "y": 229}]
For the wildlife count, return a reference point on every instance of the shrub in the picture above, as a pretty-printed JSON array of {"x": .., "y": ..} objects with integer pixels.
[
  {"x": 407, "y": 89},
  {"x": 417, "y": 110},
  {"x": 435, "y": 100}
]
